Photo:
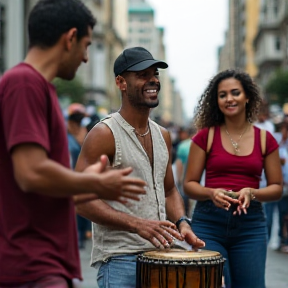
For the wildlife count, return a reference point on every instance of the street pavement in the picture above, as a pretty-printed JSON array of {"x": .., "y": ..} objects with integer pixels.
[{"x": 276, "y": 268}]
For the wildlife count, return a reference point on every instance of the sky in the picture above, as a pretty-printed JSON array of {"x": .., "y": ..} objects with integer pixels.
[{"x": 194, "y": 29}]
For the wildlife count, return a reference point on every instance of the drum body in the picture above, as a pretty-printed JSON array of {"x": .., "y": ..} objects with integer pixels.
[{"x": 179, "y": 269}]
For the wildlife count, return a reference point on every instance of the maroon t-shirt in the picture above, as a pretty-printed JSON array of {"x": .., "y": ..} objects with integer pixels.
[
  {"x": 38, "y": 234},
  {"x": 232, "y": 172}
]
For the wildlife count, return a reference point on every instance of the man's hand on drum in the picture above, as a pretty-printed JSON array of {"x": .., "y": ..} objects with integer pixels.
[
  {"x": 223, "y": 198},
  {"x": 159, "y": 233},
  {"x": 189, "y": 236}
]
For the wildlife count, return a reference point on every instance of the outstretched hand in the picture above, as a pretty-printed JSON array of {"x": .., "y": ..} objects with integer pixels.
[{"x": 114, "y": 184}]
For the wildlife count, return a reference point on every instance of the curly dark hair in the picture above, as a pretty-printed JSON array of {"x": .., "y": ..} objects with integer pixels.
[
  {"x": 207, "y": 112},
  {"x": 49, "y": 19}
]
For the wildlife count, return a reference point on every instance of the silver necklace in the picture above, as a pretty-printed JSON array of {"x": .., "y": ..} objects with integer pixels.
[
  {"x": 142, "y": 135},
  {"x": 234, "y": 143}
]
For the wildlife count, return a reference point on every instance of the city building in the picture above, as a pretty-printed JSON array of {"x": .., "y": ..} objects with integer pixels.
[
  {"x": 109, "y": 39},
  {"x": 144, "y": 33},
  {"x": 269, "y": 40},
  {"x": 12, "y": 33},
  {"x": 238, "y": 50}
]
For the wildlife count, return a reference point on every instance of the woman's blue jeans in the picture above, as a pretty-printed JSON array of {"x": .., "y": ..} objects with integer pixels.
[{"x": 241, "y": 239}]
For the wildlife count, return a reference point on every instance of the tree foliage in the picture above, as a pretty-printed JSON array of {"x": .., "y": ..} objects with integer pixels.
[
  {"x": 73, "y": 89},
  {"x": 277, "y": 87}
]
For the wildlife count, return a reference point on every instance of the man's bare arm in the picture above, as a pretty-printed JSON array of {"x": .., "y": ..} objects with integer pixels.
[{"x": 35, "y": 172}]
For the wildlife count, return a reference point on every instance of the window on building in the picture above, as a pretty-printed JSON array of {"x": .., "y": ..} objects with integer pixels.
[
  {"x": 143, "y": 19},
  {"x": 100, "y": 46},
  {"x": 277, "y": 43},
  {"x": 275, "y": 7},
  {"x": 287, "y": 43},
  {"x": 2, "y": 38},
  {"x": 144, "y": 41},
  {"x": 264, "y": 11},
  {"x": 98, "y": 2}
]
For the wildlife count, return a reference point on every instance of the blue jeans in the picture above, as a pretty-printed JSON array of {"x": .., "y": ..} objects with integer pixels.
[
  {"x": 241, "y": 240},
  {"x": 118, "y": 272},
  {"x": 282, "y": 207},
  {"x": 283, "y": 211},
  {"x": 269, "y": 208}
]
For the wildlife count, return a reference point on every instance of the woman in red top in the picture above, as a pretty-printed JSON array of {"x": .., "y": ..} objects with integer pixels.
[{"x": 235, "y": 226}]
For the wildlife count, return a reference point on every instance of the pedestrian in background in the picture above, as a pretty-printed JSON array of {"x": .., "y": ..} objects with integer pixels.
[
  {"x": 38, "y": 240},
  {"x": 182, "y": 154},
  {"x": 130, "y": 138},
  {"x": 228, "y": 215},
  {"x": 282, "y": 204},
  {"x": 77, "y": 132}
]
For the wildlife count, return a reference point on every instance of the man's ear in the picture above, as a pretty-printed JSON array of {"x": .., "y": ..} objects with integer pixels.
[
  {"x": 121, "y": 83},
  {"x": 70, "y": 38}
]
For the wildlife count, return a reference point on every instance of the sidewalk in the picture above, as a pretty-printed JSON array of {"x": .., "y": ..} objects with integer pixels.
[{"x": 276, "y": 269}]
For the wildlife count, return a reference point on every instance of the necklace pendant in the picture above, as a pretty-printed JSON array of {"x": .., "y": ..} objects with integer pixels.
[{"x": 235, "y": 145}]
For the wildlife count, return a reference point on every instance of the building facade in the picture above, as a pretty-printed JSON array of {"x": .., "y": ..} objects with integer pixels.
[
  {"x": 109, "y": 39},
  {"x": 12, "y": 33},
  {"x": 238, "y": 50},
  {"x": 271, "y": 41},
  {"x": 144, "y": 33}
]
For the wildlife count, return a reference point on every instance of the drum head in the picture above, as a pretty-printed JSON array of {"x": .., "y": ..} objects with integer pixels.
[{"x": 178, "y": 254}]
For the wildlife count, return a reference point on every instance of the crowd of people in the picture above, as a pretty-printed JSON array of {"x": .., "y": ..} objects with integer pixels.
[{"x": 126, "y": 176}]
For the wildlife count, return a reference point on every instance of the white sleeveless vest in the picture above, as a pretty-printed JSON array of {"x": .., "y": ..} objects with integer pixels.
[{"x": 129, "y": 152}]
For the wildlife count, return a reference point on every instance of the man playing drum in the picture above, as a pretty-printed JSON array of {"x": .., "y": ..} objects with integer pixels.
[{"x": 130, "y": 138}]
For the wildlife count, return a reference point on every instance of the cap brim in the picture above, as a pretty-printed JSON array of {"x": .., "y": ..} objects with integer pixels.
[{"x": 146, "y": 64}]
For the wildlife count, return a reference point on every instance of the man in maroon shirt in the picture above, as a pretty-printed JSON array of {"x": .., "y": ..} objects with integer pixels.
[{"x": 38, "y": 243}]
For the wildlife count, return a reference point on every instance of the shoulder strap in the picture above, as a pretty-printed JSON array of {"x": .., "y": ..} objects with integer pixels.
[
  {"x": 210, "y": 139},
  {"x": 263, "y": 141}
]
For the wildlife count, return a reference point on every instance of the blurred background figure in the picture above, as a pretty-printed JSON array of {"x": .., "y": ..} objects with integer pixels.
[
  {"x": 77, "y": 131},
  {"x": 93, "y": 117},
  {"x": 182, "y": 153},
  {"x": 282, "y": 204},
  {"x": 178, "y": 134},
  {"x": 264, "y": 121}
]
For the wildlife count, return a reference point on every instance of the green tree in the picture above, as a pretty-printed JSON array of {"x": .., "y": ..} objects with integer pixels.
[
  {"x": 277, "y": 87},
  {"x": 74, "y": 89}
]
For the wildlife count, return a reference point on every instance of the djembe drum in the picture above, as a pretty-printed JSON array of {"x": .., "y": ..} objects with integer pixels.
[{"x": 178, "y": 268}]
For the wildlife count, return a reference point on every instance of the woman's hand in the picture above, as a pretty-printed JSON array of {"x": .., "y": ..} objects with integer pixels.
[
  {"x": 245, "y": 196},
  {"x": 223, "y": 198}
]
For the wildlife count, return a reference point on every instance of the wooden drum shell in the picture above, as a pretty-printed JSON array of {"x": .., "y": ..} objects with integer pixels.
[{"x": 177, "y": 268}]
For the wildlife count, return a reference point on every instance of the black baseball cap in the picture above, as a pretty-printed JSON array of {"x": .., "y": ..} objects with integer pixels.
[{"x": 136, "y": 59}]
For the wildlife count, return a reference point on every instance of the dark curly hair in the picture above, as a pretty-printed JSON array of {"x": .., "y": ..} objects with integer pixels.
[
  {"x": 207, "y": 112},
  {"x": 49, "y": 19}
]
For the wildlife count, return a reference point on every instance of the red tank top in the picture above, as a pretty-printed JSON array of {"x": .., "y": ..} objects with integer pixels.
[{"x": 232, "y": 172}]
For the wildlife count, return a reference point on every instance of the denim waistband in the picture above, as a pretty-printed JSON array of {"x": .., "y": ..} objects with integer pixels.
[{"x": 209, "y": 206}]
